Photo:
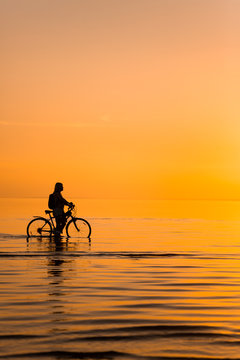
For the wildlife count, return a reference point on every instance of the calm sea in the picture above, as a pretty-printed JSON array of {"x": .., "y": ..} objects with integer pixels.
[{"x": 157, "y": 280}]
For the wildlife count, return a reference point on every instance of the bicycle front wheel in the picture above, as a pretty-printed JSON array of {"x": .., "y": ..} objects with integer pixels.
[
  {"x": 78, "y": 227},
  {"x": 39, "y": 227}
]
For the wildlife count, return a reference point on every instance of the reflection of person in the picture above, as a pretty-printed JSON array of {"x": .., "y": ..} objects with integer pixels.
[{"x": 57, "y": 202}]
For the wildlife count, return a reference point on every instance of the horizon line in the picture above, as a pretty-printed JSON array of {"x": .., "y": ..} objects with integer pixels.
[{"x": 123, "y": 199}]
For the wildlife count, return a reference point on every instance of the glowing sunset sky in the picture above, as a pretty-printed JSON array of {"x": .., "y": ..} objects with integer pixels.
[{"x": 120, "y": 99}]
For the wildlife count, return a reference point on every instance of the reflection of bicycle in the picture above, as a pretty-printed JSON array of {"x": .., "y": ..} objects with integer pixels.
[{"x": 75, "y": 227}]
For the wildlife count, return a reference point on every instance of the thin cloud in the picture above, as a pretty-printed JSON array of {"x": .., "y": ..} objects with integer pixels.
[
  {"x": 55, "y": 124},
  {"x": 105, "y": 118}
]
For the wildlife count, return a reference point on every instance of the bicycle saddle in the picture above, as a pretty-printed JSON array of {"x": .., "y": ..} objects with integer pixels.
[{"x": 48, "y": 211}]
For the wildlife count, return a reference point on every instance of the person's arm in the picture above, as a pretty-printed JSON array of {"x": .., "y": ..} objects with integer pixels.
[{"x": 65, "y": 202}]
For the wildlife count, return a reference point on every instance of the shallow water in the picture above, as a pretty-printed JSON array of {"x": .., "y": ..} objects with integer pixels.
[{"x": 150, "y": 288}]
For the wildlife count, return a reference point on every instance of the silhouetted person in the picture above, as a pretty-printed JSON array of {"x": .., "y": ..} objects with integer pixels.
[{"x": 57, "y": 202}]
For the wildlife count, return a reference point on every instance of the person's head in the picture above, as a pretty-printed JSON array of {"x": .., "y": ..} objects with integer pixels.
[{"x": 58, "y": 187}]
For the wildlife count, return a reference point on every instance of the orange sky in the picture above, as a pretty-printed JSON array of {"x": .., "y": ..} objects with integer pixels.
[{"x": 120, "y": 99}]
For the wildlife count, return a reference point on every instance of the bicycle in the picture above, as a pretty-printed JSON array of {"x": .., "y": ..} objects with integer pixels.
[{"x": 42, "y": 227}]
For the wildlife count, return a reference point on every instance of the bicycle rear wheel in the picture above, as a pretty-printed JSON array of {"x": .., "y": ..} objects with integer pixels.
[
  {"x": 39, "y": 227},
  {"x": 78, "y": 227}
]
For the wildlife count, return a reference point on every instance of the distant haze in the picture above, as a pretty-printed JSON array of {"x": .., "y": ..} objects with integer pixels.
[{"x": 120, "y": 99}]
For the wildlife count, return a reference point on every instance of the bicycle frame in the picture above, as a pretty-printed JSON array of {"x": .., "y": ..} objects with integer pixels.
[
  {"x": 68, "y": 215},
  {"x": 81, "y": 226}
]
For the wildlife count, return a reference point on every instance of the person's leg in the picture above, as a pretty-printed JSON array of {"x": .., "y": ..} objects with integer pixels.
[
  {"x": 58, "y": 224},
  {"x": 63, "y": 222}
]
